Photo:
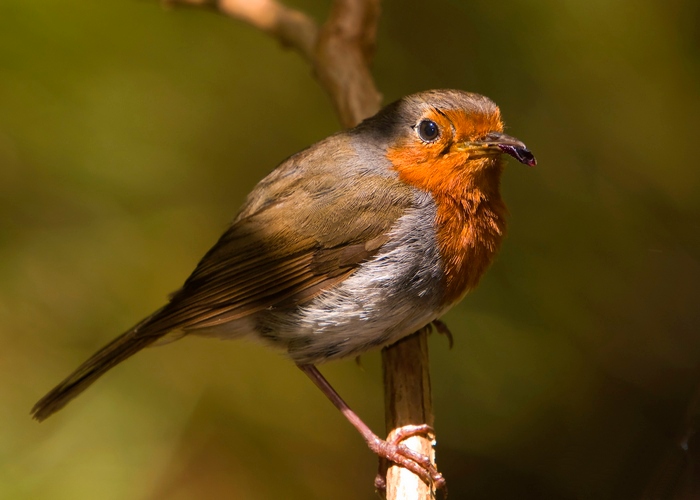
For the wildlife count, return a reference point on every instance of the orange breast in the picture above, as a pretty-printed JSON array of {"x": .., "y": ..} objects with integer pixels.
[
  {"x": 469, "y": 235},
  {"x": 470, "y": 221}
]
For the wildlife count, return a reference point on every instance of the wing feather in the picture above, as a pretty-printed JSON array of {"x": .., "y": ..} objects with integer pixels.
[{"x": 285, "y": 253}]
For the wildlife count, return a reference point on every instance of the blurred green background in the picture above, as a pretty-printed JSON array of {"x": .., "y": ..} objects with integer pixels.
[{"x": 129, "y": 136}]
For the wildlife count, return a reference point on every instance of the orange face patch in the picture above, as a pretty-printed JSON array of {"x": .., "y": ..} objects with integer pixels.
[{"x": 437, "y": 166}]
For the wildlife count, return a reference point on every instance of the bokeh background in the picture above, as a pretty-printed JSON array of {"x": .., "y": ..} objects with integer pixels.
[{"x": 129, "y": 136}]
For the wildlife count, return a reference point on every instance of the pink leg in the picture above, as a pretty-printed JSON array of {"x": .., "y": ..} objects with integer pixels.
[{"x": 393, "y": 451}]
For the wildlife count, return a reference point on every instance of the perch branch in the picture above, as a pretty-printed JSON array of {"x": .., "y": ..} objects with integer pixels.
[
  {"x": 340, "y": 53},
  {"x": 407, "y": 401}
]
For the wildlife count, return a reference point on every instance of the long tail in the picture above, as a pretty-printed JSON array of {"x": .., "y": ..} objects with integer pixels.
[{"x": 121, "y": 348}]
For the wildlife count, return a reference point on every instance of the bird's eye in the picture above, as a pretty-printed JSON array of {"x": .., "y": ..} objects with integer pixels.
[{"x": 428, "y": 130}]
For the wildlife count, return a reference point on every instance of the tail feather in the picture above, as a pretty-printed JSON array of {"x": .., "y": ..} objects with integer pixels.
[{"x": 98, "y": 364}]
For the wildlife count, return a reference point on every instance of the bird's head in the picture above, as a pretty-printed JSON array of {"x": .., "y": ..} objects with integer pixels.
[{"x": 446, "y": 139}]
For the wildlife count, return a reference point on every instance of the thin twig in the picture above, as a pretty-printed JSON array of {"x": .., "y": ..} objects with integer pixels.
[
  {"x": 290, "y": 27},
  {"x": 340, "y": 52},
  {"x": 677, "y": 475}
]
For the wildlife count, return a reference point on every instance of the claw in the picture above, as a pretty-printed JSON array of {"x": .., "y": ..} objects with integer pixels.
[
  {"x": 380, "y": 484},
  {"x": 442, "y": 329}
]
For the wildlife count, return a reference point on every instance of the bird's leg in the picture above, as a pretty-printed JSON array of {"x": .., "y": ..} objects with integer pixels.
[{"x": 391, "y": 450}]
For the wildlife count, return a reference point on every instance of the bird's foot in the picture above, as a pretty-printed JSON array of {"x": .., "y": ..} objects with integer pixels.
[
  {"x": 394, "y": 451},
  {"x": 390, "y": 450}
]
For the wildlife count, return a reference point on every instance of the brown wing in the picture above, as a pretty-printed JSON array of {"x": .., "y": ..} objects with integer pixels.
[
  {"x": 302, "y": 230},
  {"x": 288, "y": 252}
]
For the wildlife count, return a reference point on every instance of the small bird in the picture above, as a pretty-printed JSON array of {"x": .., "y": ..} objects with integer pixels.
[{"x": 350, "y": 245}]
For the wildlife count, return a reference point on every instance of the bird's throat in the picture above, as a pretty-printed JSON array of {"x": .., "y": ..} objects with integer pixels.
[{"x": 470, "y": 225}]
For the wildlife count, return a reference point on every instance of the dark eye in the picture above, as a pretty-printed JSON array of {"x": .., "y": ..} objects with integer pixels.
[{"x": 428, "y": 130}]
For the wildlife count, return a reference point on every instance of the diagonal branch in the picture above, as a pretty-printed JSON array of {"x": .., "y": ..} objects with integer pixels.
[
  {"x": 292, "y": 28},
  {"x": 339, "y": 53},
  {"x": 344, "y": 51}
]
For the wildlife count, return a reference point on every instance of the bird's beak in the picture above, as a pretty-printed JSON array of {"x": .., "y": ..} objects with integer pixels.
[{"x": 502, "y": 143}]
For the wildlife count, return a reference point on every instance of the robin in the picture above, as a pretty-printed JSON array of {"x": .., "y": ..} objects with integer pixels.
[{"x": 350, "y": 245}]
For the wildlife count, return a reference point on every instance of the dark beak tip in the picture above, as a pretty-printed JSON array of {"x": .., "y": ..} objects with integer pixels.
[
  {"x": 520, "y": 153},
  {"x": 527, "y": 158}
]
